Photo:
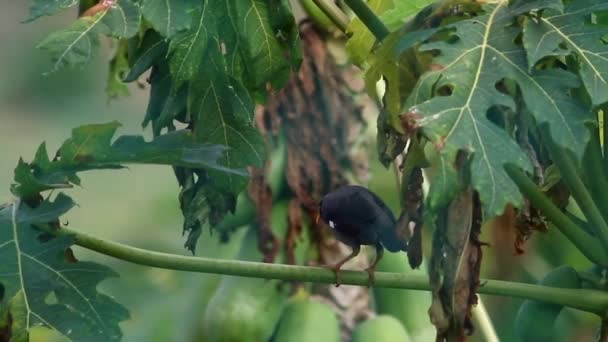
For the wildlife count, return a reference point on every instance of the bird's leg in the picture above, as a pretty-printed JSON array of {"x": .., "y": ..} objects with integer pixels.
[
  {"x": 336, "y": 267},
  {"x": 372, "y": 268}
]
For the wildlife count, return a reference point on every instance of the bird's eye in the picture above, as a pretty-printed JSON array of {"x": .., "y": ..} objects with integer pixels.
[{"x": 332, "y": 225}]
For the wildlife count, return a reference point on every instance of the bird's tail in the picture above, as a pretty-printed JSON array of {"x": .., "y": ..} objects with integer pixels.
[
  {"x": 394, "y": 237},
  {"x": 391, "y": 239}
]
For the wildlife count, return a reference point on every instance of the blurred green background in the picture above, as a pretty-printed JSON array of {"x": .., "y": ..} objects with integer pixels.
[{"x": 139, "y": 205}]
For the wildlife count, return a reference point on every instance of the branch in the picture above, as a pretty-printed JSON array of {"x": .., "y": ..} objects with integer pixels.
[
  {"x": 582, "y": 299},
  {"x": 369, "y": 18},
  {"x": 583, "y": 241}
]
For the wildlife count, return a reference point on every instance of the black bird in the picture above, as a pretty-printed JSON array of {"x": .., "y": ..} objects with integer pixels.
[{"x": 358, "y": 217}]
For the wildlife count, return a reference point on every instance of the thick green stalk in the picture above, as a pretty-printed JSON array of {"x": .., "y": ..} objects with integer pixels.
[
  {"x": 583, "y": 241},
  {"x": 333, "y": 12},
  {"x": 582, "y": 299},
  {"x": 571, "y": 177},
  {"x": 369, "y": 18},
  {"x": 604, "y": 128},
  {"x": 593, "y": 167}
]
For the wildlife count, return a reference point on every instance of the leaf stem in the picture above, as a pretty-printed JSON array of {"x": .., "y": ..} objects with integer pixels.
[
  {"x": 604, "y": 129},
  {"x": 369, "y": 18},
  {"x": 333, "y": 12},
  {"x": 583, "y": 241},
  {"x": 571, "y": 177},
  {"x": 593, "y": 168},
  {"x": 582, "y": 299}
]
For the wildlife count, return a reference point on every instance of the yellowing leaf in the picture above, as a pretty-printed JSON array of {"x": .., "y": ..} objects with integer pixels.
[{"x": 361, "y": 41}]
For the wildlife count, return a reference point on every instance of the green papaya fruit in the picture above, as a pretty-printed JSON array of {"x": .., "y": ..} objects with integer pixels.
[
  {"x": 306, "y": 320},
  {"x": 248, "y": 309},
  {"x": 535, "y": 320},
  {"x": 381, "y": 328},
  {"x": 404, "y": 305}
]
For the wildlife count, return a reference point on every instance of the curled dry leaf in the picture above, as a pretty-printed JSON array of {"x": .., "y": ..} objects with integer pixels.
[{"x": 457, "y": 256}]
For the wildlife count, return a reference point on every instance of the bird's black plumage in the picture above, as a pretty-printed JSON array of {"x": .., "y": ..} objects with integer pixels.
[{"x": 358, "y": 217}]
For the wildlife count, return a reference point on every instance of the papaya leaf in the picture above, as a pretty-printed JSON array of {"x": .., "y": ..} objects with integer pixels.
[
  {"x": 445, "y": 186},
  {"x": 223, "y": 115},
  {"x": 43, "y": 284},
  {"x": 476, "y": 56},
  {"x": 144, "y": 54},
  {"x": 253, "y": 52},
  {"x": 401, "y": 12},
  {"x": 525, "y": 6},
  {"x": 91, "y": 147},
  {"x": 261, "y": 47},
  {"x": 39, "y": 8},
  {"x": 74, "y": 46},
  {"x": 165, "y": 102},
  {"x": 168, "y": 17},
  {"x": 574, "y": 29},
  {"x": 187, "y": 48},
  {"x": 123, "y": 19},
  {"x": 119, "y": 66}
]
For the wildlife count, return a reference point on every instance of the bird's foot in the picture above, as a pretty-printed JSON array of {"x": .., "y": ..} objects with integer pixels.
[
  {"x": 371, "y": 271},
  {"x": 336, "y": 270}
]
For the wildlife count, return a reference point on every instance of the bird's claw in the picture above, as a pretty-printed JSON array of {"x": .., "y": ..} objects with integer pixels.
[
  {"x": 336, "y": 270},
  {"x": 371, "y": 271}
]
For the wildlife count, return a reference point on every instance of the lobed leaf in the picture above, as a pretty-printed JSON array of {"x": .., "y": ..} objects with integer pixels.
[
  {"x": 143, "y": 54},
  {"x": 122, "y": 19},
  {"x": 253, "y": 52},
  {"x": 187, "y": 48},
  {"x": 223, "y": 115},
  {"x": 168, "y": 17},
  {"x": 403, "y": 10},
  {"x": 43, "y": 284},
  {"x": 39, "y": 8},
  {"x": 74, "y": 46},
  {"x": 91, "y": 147},
  {"x": 477, "y": 55},
  {"x": 573, "y": 31}
]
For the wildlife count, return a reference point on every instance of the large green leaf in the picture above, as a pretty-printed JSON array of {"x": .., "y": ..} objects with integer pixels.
[
  {"x": 187, "y": 48},
  {"x": 168, "y": 17},
  {"x": 74, "y": 46},
  {"x": 166, "y": 101},
  {"x": 402, "y": 11},
  {"x": 572, "y": 31},
  {"x": 42, "y": 285},
  {"x": 252, "y": 51},
  {"x": 223, "y": 115},
  {"x": 39, "y": 8},
  {"x": 144, "y": 53},
  {"x": 91, "y": 147},
  {"x": 480, "y": 53}
]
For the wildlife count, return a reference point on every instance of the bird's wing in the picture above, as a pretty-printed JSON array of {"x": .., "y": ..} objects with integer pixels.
[
  {"x": 362, "y": 207},
  {"x": 386, "y": 226},
  {"x": 382, "y": 205}
]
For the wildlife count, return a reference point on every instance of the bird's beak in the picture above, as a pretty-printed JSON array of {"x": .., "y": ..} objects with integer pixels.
[{"x": 317, "y": 218}]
